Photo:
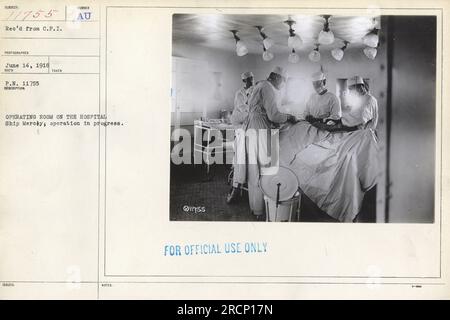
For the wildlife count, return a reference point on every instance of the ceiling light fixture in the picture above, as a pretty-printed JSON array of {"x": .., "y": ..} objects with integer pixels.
[
  {"x": 326, "y": 36},
  {"x": 267, "y": 55},
  {"x": 266, "y": 40},
  {"x": 338, "y": 53},
  {"x": 241, "y": 48},
  {"x": 371, "y": 39},
  {"x": 314, "y": 55},
  {"x": 294, "y": 40},
  {"x": 293, "y": 57},
  {"x": 370, "y": 52}
]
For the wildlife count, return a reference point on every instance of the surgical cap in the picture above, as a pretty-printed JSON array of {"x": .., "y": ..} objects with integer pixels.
[
  {"x": 246, "y": 75},
  {"x": 280, "y": 71},
  {"x": 355, "y": 80},
  {"x": 318, "y": 76}
]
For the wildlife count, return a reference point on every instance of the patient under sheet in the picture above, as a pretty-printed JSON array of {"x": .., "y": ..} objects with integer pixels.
[{"x": 334, "y": 169}]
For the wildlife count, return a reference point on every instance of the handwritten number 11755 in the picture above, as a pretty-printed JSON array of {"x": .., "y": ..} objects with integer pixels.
[{"x": 31, "y": 14}]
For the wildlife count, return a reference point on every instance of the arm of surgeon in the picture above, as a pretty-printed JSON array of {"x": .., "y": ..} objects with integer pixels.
[
  {"x": 270, "y": 105},
  {"x": 333, "y": 123},
  {"x": 370, "y": 114},
  {"x": 334, "y": 118},
  {"x": 334, "y": 127}
]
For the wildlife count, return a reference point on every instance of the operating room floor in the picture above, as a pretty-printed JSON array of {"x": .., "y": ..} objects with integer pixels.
[
  {"x": 191, "y": 188},
  {"x": 195, "y": 197}
]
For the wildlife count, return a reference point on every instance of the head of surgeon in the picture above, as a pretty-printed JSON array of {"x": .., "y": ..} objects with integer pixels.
[
  {"x": 319, "y": 82},
  {"x": 356, "y": 85},
  {"x": 278, "y": 77},
  {"x": 247, "y": 78}
]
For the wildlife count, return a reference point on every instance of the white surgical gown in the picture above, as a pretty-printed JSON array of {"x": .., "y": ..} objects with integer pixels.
[
  {"x": 323, "y": 106},
  {"x": 238, "y": 117},
  {"x": 263, "y": 114},
  {"x": 360, "y": 111}
]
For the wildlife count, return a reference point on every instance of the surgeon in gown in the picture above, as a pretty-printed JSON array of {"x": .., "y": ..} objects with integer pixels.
[
  {"x": 263, "y": 115},
  {"x": 361, "y": 108},
  {"x": 323, "y": 106},
  {"x": 238, "y": 117}
]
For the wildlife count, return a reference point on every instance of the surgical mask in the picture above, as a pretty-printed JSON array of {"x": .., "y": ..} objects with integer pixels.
[{"x": 319, "y": 86}]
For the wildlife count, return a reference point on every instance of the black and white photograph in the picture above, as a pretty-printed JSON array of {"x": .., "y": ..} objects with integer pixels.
[
  {"x": 226, "y": 151},
  {"x": 303, "y": 118}
]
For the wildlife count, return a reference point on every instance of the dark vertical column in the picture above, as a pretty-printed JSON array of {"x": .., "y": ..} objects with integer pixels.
[
  {"x": 412, "y": 123},
  {"x": 390, "y": 50}
]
